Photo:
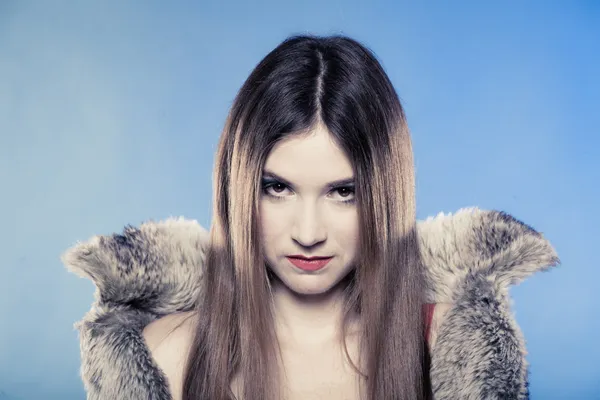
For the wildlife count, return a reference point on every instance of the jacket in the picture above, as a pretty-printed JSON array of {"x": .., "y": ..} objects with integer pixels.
[{"x": 471, "y": 259}]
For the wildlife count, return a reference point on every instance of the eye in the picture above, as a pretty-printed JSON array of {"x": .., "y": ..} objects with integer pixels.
[
  {"x": 273, "y": 188},
  {"x": 346, "y": 193},
  {"x": 277, "y": 187}
]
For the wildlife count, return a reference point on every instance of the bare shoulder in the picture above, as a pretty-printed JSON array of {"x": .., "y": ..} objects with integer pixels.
[
  {"x": 169, "y": 339},
  {"x": 439, "y": 313}
]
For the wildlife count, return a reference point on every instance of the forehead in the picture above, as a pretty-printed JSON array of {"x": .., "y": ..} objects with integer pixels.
[{"x": 309, "y": 159}]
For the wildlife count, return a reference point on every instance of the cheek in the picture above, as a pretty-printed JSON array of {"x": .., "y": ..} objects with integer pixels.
[
  {"x": 347, "y": 227},
  {"x": 347, "y": 235},
  {"x": 272, "y": 223}
]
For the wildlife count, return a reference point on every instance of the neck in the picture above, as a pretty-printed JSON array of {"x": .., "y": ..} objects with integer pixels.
[{"x": 307, "y": 318}]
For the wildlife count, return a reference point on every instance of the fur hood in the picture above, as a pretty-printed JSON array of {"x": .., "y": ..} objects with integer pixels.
[{"x": 471, "y": 257}]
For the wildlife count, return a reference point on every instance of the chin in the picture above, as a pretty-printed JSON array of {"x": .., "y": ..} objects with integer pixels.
[
  {"x": 309, "y": 285},
  {"x": 310, "y": 290}
]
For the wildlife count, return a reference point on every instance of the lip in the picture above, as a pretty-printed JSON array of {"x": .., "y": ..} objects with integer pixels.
[
  {"x": 308, "y": 258},
  {"x": 309, "y": 264}
]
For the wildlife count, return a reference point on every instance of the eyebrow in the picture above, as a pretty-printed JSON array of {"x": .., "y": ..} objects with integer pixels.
[{"x": 330, "y": 185}]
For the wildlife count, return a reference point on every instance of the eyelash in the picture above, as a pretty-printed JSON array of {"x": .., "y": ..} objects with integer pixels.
[{"x": 267, "y": 185}]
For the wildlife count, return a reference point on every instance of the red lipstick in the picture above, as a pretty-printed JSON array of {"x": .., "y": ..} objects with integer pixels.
[{"x": 309, "y": 263}]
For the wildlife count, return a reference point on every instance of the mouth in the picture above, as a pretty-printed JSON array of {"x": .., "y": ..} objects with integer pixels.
[
  {"x": 309, "y": 263},
  {"x": 308, "y": 258}
]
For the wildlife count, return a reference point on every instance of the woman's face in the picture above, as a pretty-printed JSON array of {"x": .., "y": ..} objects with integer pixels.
[{"x": 303, "y": 211}]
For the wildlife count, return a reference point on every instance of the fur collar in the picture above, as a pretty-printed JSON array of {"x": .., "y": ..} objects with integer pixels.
[{"x": 471, "y": 258}]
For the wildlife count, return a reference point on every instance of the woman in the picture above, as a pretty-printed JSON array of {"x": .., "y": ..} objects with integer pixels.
[{"x": 315, "y": 161}]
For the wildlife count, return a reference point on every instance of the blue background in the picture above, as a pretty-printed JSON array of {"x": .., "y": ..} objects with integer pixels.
[{"x": 110, "y": 114}]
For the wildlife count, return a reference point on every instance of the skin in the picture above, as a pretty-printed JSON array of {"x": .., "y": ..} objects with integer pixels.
[
  {"x": 309, "y": 218},
  {"x": 300, "y": 215}
]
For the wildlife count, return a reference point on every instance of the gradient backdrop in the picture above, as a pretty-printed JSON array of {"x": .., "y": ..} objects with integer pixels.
[{"x": 110, "y": 113}]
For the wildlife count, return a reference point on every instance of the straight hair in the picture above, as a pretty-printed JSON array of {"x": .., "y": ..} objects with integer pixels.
[{"x": 339, "y": 83}]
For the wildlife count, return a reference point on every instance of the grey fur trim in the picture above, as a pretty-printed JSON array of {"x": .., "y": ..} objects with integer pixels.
[{"x": 471, "y": 258}]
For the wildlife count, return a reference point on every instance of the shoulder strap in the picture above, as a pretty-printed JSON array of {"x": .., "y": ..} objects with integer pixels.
[{"x": 429, "y": 309}]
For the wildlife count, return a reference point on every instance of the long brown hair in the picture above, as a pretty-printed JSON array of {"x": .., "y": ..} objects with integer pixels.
[{"x": 306, "y": 80}]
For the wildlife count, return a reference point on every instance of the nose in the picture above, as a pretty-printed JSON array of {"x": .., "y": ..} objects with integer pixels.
[{"x": 308, "y": 228}]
